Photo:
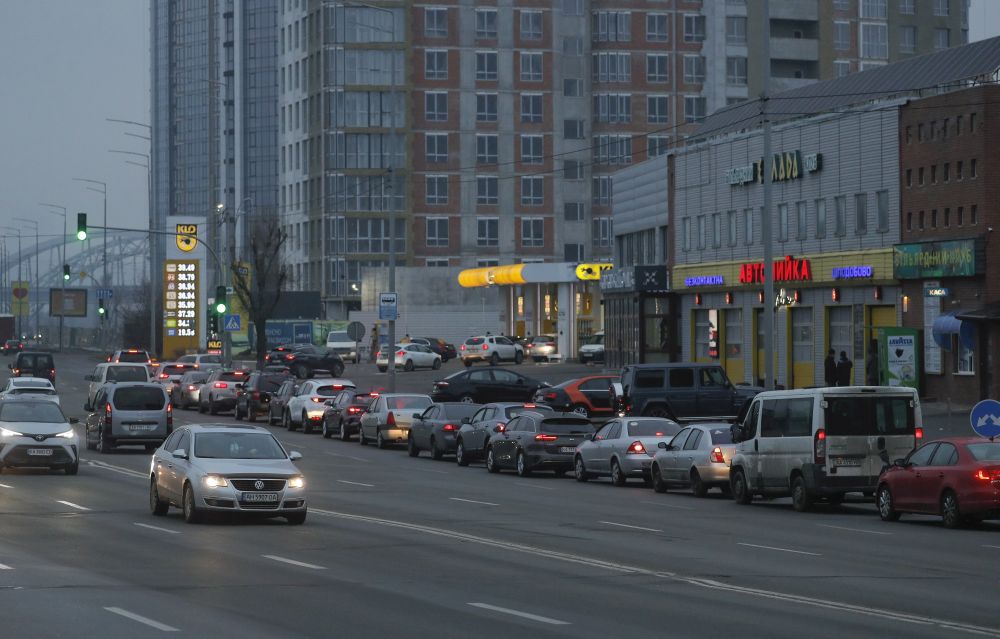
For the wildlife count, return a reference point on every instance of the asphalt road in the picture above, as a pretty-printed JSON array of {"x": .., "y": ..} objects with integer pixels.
[{"x": 401, "y": 547}]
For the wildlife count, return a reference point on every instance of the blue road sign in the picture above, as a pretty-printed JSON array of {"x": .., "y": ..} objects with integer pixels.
[
  {"x": 387, "y": 308},
  {"x": 985, "y": 418},
  {"x": 105, "y": 293},
  {"x": 231, "y": 323}
]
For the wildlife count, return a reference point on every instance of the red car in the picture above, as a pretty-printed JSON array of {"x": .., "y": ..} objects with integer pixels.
[
  {"x": 587, "y": 396},
  {"x": 957, "y": 478}
]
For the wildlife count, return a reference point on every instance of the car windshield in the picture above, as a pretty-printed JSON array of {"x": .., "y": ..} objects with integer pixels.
[
  {"x": 139, "y": 398},
  {"x": 328, "y": 391},
  {"x": 653, "y": 428},
  {"x": 558, "y": 426},
  {"x": 985, "y": 451},
  {"x": 722, "y": 436},
  {"x": 340, "y": 336},
  {"x": 133, "y": 356},
  {"x": 127, "y": 374},
  {"x": 514, "y": 411},
  {"x": 407, "y": 401},
  {"x": 596, "y": 339},
  {"x": 38, "y": 412},
  {"x": 237, "y": 446}
]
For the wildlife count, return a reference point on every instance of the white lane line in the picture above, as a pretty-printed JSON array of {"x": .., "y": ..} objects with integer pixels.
[
  {"x": 143, "y": 620},
  {"x": 355, "y": 483},
  {"x": 360, "y": 459},
  {"x": 300, "y": 564},
  {"x": 989, "y": 546},
  {"x": 611, "y": 523},
  {"x": 797, "y": 552},
  {"x": 5, "y": 567},
  {"x": 128, "y": 472},
  {"x": 5, "y": 486},
  {"x": 518, "y": 613},
  {"x": 536, "y": 486},
  {"x": 151, "y": 527},
  {"x": 666, "y": 505},
  {"x": 861, "y": 530},
  {"x": 473, "y": 501},
  {"x": 430, "y": 470},
  {"x": 71, "y": 504}
]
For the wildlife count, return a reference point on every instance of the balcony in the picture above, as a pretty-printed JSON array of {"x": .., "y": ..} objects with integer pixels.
[
  {"x": 794, "y": 10},
  {"x": 794, "y": 49},
  {"x": 785, "y": 84}
]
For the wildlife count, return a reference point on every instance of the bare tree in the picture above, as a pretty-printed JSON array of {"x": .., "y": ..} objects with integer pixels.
[{"x": 259, "y": 291}]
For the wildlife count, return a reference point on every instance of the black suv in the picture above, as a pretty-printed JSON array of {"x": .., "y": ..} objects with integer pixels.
[
  {"x": 253, "y": 399},
  {"x": 28, "y": 364},
  {"x": 306, "y": 359},
  {"x": 682, "y": 390}
]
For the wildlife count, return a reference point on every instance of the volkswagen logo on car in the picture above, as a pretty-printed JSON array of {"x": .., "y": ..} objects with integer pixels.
[{"x": 259, "y": 485}]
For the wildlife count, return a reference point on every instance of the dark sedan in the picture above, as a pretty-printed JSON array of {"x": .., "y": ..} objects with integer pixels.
[
  {"x": 436, "y": 428},
  {"x": 485, "y": 385},
  {"x": 253, "y": 399},
  {"x": 342, "y": 416},
  {"x": 474, "y": 437},
  {"x": 538, "y": 441}
]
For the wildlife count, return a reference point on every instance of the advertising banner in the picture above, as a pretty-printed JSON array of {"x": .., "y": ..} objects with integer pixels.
[
  {"x": 19, "y": 297},
  {"x": 72, "y": 304},
  {"x": 899, "y": 363}
]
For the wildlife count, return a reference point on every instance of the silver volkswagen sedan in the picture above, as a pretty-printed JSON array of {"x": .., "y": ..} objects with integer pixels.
[
  {"x": 697, "y": 458},
  {"x": 204, "y": 468},
  {"x": 623, "y": 448}
]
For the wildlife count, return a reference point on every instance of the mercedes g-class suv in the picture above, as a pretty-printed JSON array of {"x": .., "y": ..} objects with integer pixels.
[{"x": 679, "y": 391}]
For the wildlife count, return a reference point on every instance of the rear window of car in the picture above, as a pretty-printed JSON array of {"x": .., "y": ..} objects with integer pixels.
[
  {"x": 328, "y": 391},
  {"x": 234, "y": 376},
  {"x": 173, "y": 369},
  {"x": 854, "y": 415},
  {"x": 542, "y": 338},
  {"x": 562, "y": 426},
  {"x": 475, "y": 340},
  {"x": 194, "y": 377},
  {"x": 20, "y": 385},
  {"x": 458, "y": 411},
  {"x": 340, "y": 336},
  {"x": 656, "y": 428},
  {"x": 270, "y": 383},
  {"x": 35, "y": 390},
  {"x": 397, "y": 403},
  {"x": 514, "y": 411},
  {"x": 985, "y": 451},
  {"x": 139, "y": 398},
  {"x": 127, "y": 374},
  {"x": 363, "y": 400},
  {"x": 35, "y": 361},
  {"x": 722, "y": 436},
  {"x": 37, "y": 411},
  {"x": 210, "y": 359},
  {"x": 133, "y": 356}
]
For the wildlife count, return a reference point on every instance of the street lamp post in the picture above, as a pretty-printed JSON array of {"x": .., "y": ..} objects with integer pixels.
[
  {"x": 62, "y": 301},
  {"x": 20, "y": 324},
  {"x": 38, "y": 279}
]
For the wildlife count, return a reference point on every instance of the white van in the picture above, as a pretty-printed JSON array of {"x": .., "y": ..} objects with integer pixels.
[
  {"x": 343, "y": 345},
  {"x": 821, "y": 442}
]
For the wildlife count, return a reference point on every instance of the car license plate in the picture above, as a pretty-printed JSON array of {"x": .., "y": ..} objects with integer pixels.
[
  {"x": 40, "y": 452},
  {"x": 140, "y": 428},
  {"x": 257, "y": 498},
  {"x": 846, "y": 461},
  {"x": 567, "y": 449}
]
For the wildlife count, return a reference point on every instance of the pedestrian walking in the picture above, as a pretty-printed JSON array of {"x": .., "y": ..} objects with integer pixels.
[
  {"x": 374, "y": 346},
  {"x": 405, "y": 340},
  {"x": 830, "y": 368},
  {"x": 844, "y": 367}
]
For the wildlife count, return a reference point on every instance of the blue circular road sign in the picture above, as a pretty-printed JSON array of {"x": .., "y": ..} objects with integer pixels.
[{"x": 985, "y": 418}]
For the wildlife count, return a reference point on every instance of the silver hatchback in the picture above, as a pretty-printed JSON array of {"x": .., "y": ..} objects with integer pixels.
[{"x": 137, "y": 413}]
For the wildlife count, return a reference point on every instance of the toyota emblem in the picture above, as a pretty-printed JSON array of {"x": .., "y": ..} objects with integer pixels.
[
  {"x": 39, "y": 438},
  {"x": 259, "y": 485}
]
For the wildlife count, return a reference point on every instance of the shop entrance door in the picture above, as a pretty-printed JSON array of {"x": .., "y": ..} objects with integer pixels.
[
  {"x": 802, "y": 359},
  {"x": 733, "y": 337}
]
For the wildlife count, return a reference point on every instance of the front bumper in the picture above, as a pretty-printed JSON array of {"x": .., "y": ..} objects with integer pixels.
[
  {"x": 591, "y": 356},
  {"x": 24, "y": 452},
  {"x": 228, "y": 499}
]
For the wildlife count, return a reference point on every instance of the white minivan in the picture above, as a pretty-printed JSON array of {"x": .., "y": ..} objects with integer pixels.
[
  {"x": 821, "y": 442},
  {"x": 342, "y": 343}
]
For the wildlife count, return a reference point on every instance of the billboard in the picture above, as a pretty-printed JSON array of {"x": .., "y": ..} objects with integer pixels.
[
  {"x": 69, "y": 303},
  {"x": 181, "y": 303}
]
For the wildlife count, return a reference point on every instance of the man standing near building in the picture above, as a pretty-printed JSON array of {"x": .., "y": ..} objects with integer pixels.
[
  {"x": 844, "y": 367},
  {"x": 830, "y": 369}
]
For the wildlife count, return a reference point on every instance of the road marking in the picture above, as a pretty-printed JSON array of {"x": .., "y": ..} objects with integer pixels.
[
  {"x": 524, "y": 483},
  {"x": 862, "y": 530},
  {"x": 300, "y": 564},
  {"x": 473, "y": 501},
  {"x": 143, "y": 620},
  {"x": 430, "y": 470},
  {"x": 72, "y": 505},
  {"x": 5, "y": 567},
  {"x": 989, "y": 546},
  {"x": 797, "y": 552},
  {"x": 360, "y": 459},
  {"x": 5, "y": 486},
  {"x": 666, "y": 505},
  {"x": 116, "y": 469},
  {"x": 151, "y": 527},
  {"x": 355, "y": 483},
  {"x": 518, "y": 613},
  {"x": 611, "y": 523}
]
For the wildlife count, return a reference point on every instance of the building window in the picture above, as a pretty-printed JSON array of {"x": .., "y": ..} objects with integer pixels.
[
  {"x": 531, "y": 66},
  {"x": 947, "y": 217},
  {"x": 486, "y": 23},
  {"x": 572, "y": 7},
  {"x": 694, "y": 69},
  {"x": 908, "y": 7},
  {"x": 875, "y": 9},
  {"x": 572, "y": 88},
  {"x": 437, "y": 232},
  {"x": 531, "y": 149},
  {"x": 748, "y": 226},
  {"x": 532, "y": 190},
  {"x": 782, "y": 222},
  {"x": 736, "y": 30},
  {"x": 573, "y": 130},
  {"x": 716, "y": 230},
  {"x": 486, "y": 65},
  {"x": 436, "y": 147},
  {"x": 842, "y": 68},
  {"x": 613, "y": 107},
  {"x": 820, "y": 218},
  {"x": 436, "y": 22},
  {"x": 486, "y": 107},
  {"x": 694, "y": 28},
  {"x": 701, "y": 232},
  {"x": 946, "y": 172},
  {"x": 959, "y": 167},
  {"x": 920, "y": 220},
  {"x": 656, "y": 109},
  {"x": 487, "y": 187},
  {"x": 656, "y": 27},
  {"x": 572, "y": 170},
  {"x": 436, "y": 106},
  {"x": 602, "y": 189},
  {"x": 731, "y": 227},
  {"x": 840, "y": 223},
  {"x": 531, "y": 107},
  {"x": 602, "y": 231},
  {"x": 573, "y": 252},
  {"x": 532, "y": 232},
  {"x": 437, "y": 189},
  {"x": 960, "y": 216},
  {"x": 933, "y": 174},
  {"x": 657, "y": 145},
  {"x": 613, "y": 66},
  {"x": 933, "y": 218},
  {"x": 531, "y": 25},
  {"x": 842, "y": 36},
  {"x": 443, "y": 261},
  {"x": 942, "y": 8},
  {"x": 573, "y": 211},
  {"x": 484, "y": 262},
  {"x": 942, "y": 39},
  {"x": 964, "y": 358},
  {"x": 972, "y": 169},
  {"x": 875, "y": 41},
  {"x": 973, "y": 215},
  {"x": 920, "y": 176},
  {"x": 800, "y": 220},
  {"x": 736, "y": 71},
  {"x": 686, "y": 234},
  {"x": 486, "y": 148},
  {"x": 657, "y": 67},
  {"x": 694, "y": 108},
  {"x": 611, "y": 26},
  {"x": 613, "y": 149},
  {"x": 909, "y": 220},
  {"x": 435, "y": 64},
  {"x": 907, "y": 39},
  {"x": 487, "y": 231},
  {"x": 861, "y": 213},
  {"x": 572, "y": 45}
]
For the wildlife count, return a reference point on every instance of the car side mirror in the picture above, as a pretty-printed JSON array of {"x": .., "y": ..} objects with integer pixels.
[
  {"x": 74, "y": 420},
  {"x": 294, "y": 455},
  {"x": 88, "y": 407},
  {"x": 466, "y": 420},
  {"x": 180, "y": 453},
  {"x": 665, "y": 446},
  {"x": 736, "y": 432},
  {"x": 88, "y": 378},
  {"x": 328, "y": 402},
  {"x": 900, "y": 463},
  {"x": 417, "y": 415}
]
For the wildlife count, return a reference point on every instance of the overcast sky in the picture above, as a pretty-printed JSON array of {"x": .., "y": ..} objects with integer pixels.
[{"x": 66, "y": 66}]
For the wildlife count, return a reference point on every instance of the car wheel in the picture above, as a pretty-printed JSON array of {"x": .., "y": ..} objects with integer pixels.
[
  {"x": 579, "y": 470},
  {"x": 408, "y": 365},
  {"x": 296, "y": 519},
  {"x": 467, "y": 399},
  {"x": 436, "y": 453},
  {"x": 518, "y": 357},
  {"x": 886, "y": 506},
  {"x": 192, "y": 514},
  {"x": 467, "y": 363},
  {"x": 270, "y": 418},
  {"x": 201, "y": 407},
  {"x": 740, "y": 488},
  {"x": 460, "y": 457},
  {"x": 951, "y": 515},
  {"x": 698, "y": 487},
  {"x": 494, "y": 359},
  {"x": 326, "y": 430},
  {"x": 659, "y": 485},
  {"x": 383, "y": 369},
  {"x": 343, "y": 434},
  {"x": 659, "y": 411},
  {"x": 580, "y": 410},
  {"x": 237, "y": 415},
  {"x": 521, "y": 463},
  {"x": 491, "y": 461},
  {"x": 151, "y": 448},
  {"x": 212, "y": 408},
  {"x": 103, "y": 443},
  {"x": 437, "y": 363},
  {"x": 301, "y": 371},
  {"x": 380, "y": 442},
  {"x": 251, "y": 413},
  {"x": 361, "y": 436},
  {"x": 338, "y": 370},
  {"x": 90, "y": 445},
  {"x": 411, "y": 447},
  {"x": 306, "y": 424},
  {"x": 617, "y": 476},
  {"x": 286, "y": 421},
  {"x": 801, "y": 499},
  {"x": 157, "y": 506},
  {"x": 72, "y": 469}
]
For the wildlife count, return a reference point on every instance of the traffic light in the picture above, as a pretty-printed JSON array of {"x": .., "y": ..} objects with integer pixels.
[
  {"x": 100, "y": 309},
  {"x": 81, "y": 226},
  {"x": 66, "y": 271},
  {"x": 220, "y": 300}
]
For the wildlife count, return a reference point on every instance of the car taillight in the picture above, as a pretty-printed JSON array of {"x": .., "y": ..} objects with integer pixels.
[
  {"x": 550, "y": 396},
  {"x": 316, "y": 400},
  {"x": 220, "y": 385},
  {"x": 988, "y": 474},
  {"x": 545, "y": 438},
  {"x": 400, "y": 353},
  {"x": 500, "y": 427},
  {"x": 17, "y": 371},
  {"x": 289, "y": 358},
  {"x": 441, "y": 384},
  {"x": 530, "y": 406},
  {"x": 717, "y": 456},
  {"x": 531, "y": 346},
  {"x": 391, "y": 419},
  {"x": 449, "y": 428},
  {"x": 191, "y": 387},
  {"x": 636, "y": 448},
  {"x": 255, "y": 394},
  {"x": 107, "y": 413},
  {"x": 919, "y": 433},
  {"x": 164, "y": 376},
  {"x": 267, "y": 358},
  {"x": 462, "y": 347},
  {"x": 353, "y": 410},
  {"x": 486, "y": 347},
  {"x": 170, "y": 416},
  {"x": 819, "y": 447}
]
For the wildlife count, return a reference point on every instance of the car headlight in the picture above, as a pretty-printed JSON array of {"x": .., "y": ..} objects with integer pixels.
[
  {"x": 215, "y": 481},
  {"x": 297, "y": 482},
  {"x": 9, "y": 433},
  {"x": 68, "y": 434}
]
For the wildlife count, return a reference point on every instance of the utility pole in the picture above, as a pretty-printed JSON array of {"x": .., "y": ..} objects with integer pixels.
[
  {"x": 62, "y": 310},
  {"x": 37, "y": 280},
  {"x": 765, "y": 222},
  {"x": 20, "y": 323}
]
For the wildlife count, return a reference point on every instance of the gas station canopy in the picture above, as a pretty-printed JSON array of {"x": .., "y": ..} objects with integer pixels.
[{"x": 531, "y": 273}]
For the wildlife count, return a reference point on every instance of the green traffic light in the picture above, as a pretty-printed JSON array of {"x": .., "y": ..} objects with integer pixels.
[
  {"x": 81, "y": 226},
  {"x": 100, "y": 310},
  {"x": 81, "y": 235},
  {"x": 220, "y": 308}
]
